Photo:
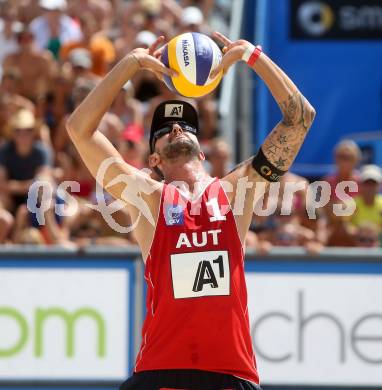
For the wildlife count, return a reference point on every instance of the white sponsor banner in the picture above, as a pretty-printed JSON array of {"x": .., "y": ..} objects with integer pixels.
[
  {"x": 317, "y": 329},
  {"x": 69, "y": 324}
]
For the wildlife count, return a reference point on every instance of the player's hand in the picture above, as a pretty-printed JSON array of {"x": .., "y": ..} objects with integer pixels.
[
  {"x": 150, "y": 59},
  {"x": 233, "y": 52}
]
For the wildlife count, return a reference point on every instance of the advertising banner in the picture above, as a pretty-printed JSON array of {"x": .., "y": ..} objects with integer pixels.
[
  {"x": 336, "y": 19},
  {"x": 317, "y": 328},
  {"x": 68, "y": 323}
]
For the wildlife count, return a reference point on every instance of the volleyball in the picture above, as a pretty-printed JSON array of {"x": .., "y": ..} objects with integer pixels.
[{"x": 194, "y": 56}]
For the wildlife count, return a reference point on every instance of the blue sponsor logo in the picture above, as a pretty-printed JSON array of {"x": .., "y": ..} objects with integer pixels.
[{"x": 174, "y": 215}]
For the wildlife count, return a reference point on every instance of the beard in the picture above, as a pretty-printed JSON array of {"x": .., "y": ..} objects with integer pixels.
[{"x": 181, "y": 147}]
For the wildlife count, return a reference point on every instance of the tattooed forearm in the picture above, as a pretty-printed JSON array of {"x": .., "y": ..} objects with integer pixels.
[
  {"x": 282, "y": 139},
  {"x": 280, "y": 163},
  {"x": 297, "y": 111},
  {"x": 283, "y": 143},
  {"x": 272, "y": 148}
]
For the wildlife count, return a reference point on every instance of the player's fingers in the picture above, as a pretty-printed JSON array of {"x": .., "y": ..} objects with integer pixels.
[
  {"x": 155, "y": 45},
  {"x": 222, "y": 38},
  {"x": 159, "y": 75},
  {"x": 228, "y": 60},
  {"x": 158, "y": 53},
  {"x": 217, "y": 70},
  {"x": 159, "y": 67},
  {"x": 234, "y": 44}
]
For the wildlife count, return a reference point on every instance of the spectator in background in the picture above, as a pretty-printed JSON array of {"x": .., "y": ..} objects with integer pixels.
[
  {"x": 29, "y": 236},
  {"x": 54, "y": 28},
  {"x": 205, "y": 6},
  {"x": 9, "y": 27},
  {"x": 347, "y": 156},
  {"x": 367, "y": 235},
  {"x": 284, "y": 226},
  {"x": 343, "y": 230},
  {"x": 99, "y": 10},
  {"x": 90, "y": 233},
  {"x": 21, "y": 160},
  {"x": 10, "y": 83},
  {"x": 36, "y": 69},
  {"x": 286, "y": 235},
  {"x": 57, "y": 103},
  {"x": 131, "y": 146},
  {"x": 218, "y": 156},
  {"x": 208, "y": 113},
  {"x": 112, "y": 127},
  {"x": 154, "y": 12},
  {"x": 10, "y": 100},
  {"x": 129, "y": 30},
  {"x": 128, "y": 109},
  {"x": 81, "y": 62},
  {"x": 78, "y": 64},
  {"x": 339, "y": 232},
  {"x": 369, "y": 201},
  {"x": 146, "y": 84},
  {"x": 34, "y": 82},
  {"x": 28, "y": 10},
  {"x": 192, "y": 20},
  {"x": 101, "y": 49},
  {"x": 6, "y": 223},
  {"x": 288, "y": 231},
  {"x": 82, "y": 86},
  {"x": 77, "y": 67},
  {"x": 69, "y": 161},
  {"x": 54, "y": 227}
]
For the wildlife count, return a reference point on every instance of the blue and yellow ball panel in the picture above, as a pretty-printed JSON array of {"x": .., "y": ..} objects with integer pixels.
[
  {"x": 193, "y": 56},
  {"x": 167, "y": 79},
  {"x": 204, "y": 55}
]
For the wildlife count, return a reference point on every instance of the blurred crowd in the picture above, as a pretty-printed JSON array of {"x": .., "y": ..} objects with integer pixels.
[
  {"x": 342, "y": 209},
  {"x": 53, "y": 52}
]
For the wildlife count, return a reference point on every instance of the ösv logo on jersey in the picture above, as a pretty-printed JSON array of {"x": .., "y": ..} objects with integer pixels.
[{"x": 174, "y": 215}]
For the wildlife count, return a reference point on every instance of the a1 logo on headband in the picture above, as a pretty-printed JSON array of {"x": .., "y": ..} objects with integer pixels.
[{"x": 173, "y": 110}]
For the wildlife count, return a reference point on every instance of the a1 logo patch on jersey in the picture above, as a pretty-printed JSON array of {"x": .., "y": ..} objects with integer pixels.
[
  {"x": 199, "y": 274},
  {"x": 174, "y": 215}
]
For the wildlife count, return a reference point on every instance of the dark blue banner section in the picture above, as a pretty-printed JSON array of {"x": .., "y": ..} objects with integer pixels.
[{"x": 336, "y": 19}]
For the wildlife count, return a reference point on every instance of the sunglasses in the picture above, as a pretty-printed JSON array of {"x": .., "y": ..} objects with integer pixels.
[{"x": 167, "y": 128}]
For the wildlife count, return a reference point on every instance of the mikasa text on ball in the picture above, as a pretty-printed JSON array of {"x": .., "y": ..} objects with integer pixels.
[{"x": 194, "y": 56}]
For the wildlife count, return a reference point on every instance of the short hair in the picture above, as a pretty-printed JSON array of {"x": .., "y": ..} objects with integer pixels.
[{"x": 349, "y": 145}]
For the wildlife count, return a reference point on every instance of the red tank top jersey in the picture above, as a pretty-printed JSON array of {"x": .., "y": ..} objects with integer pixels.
[{"x": 196, "y": 304}]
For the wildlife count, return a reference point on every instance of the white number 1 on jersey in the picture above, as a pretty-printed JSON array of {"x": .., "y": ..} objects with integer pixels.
[{"x": 213, "y": 203}]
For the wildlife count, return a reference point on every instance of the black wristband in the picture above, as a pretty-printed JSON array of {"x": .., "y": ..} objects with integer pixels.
[{"x": 265, "y": 169}]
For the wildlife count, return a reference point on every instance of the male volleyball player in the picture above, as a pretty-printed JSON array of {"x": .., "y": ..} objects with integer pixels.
[{"x": 196, "y": 334}]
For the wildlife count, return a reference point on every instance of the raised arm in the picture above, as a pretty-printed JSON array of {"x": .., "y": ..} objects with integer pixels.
[
  {"x": 120, "y": 179},
  {"x": 281, "y": 146},
  {"x": 285, "y": 140}
]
